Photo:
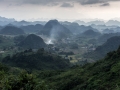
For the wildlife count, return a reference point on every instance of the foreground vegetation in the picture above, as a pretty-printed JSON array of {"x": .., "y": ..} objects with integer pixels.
[
  {"x": 102, "y": 75},
  {"x": 16, "y": 79}
]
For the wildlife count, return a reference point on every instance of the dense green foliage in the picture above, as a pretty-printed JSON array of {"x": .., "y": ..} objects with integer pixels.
[
  {"x": 34, "y": 69},
  {"x": 6, "y": 42},
  {"x": 102, "y": 75},
  {"x": 16, "y": 79},
  {"x": 36, "y": 60}
]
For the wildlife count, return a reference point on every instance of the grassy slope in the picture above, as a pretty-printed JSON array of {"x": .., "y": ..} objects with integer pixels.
[{"x": 102, "y": 75}]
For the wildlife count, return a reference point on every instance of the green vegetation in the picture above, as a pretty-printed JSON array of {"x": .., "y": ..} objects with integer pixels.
[
  {"x": 39, "y": 60},
  {"x": 27, "y": 63},
  {"x": 6, "y": 41},
  {"x": 16, "y": 79},
  {"x": 102, "y": 75}
]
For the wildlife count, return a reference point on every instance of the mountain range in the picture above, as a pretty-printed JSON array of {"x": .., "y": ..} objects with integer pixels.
[
  {"x": 99, "y": 22},
  {"x": 54, "y": 29},
  {"x": 75, "y": 28},
  {"x": 4, "y": 21},
  {"x": 32, "y": 28},
  {"x": 11, "y": 30},
  {"x": 110, "y": 45}
]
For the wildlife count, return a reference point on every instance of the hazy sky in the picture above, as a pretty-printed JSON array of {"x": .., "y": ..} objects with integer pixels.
[{"x": 60, "y": 9}]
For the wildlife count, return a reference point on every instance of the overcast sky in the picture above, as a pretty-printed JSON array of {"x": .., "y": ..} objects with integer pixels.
[{"x": 60, "y": 9}]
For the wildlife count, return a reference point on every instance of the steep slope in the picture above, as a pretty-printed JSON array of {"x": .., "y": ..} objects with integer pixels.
[
  {"x": 32, "y": 41},
  {"x": 102, "y": 75},
  {"x": 111, "y": 44},
  {"x": 54, "y": 29},
  {"x": 11, "y": 30},
  {"x": 104, "y": 37}
]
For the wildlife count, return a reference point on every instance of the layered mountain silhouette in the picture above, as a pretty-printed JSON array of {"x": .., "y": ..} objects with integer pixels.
[
  {"x": 54, "y": 29},
  {"x": 32, "y": 41},
  {"x": 11, "y": 30},
  {"x": 76, "y": 28},
  {"x": 108, "y": 31},
  {"x": 6, "y": 19},
  {"x": 113, "y": 22},
  {"x": 32, "y": 28},
  {"x": 112, "y": 44},
  {"x": 21, "y": 23}
]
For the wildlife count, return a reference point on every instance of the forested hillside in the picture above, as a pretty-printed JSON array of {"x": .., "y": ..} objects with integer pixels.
[
  {"x": 102, "y": 75},
  {"x": 39, "y": 60},
  {"x": 32, "y": 41},
  {"x": 110, "y": 45}
]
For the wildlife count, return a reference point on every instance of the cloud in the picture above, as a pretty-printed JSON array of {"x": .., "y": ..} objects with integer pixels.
[
  {"x": 86, "y": 2},
  {"x": 67, "y": 5},
  {"x": 83, "y": 2},
  {"x": 44, "y": 2},
  {"x": 105, "y": 4},
  {"x": 57, "y": 2}
]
